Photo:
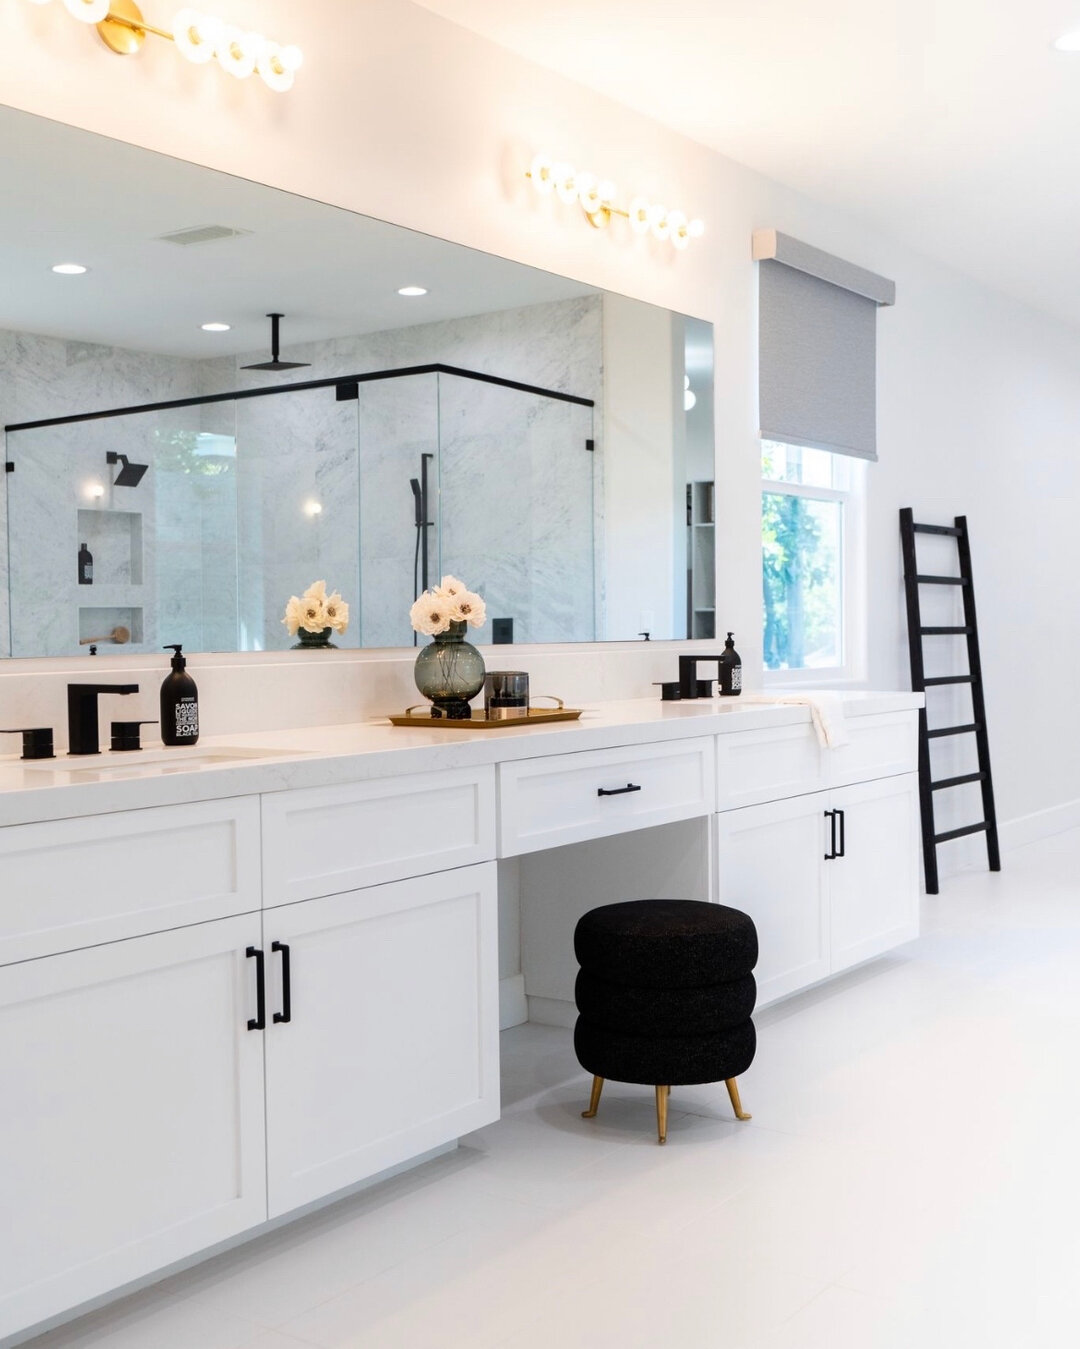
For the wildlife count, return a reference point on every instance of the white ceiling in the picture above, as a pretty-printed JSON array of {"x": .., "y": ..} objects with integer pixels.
[
  {"x": 70, "y": 196},
  {"x": 952, "y": 124}
]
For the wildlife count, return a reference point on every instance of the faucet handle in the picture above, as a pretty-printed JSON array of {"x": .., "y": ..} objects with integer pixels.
[{"x": 37, "y": 741}]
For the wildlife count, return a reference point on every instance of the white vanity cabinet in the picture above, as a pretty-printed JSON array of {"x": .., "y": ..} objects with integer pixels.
[
  {"x": 392, "y": 1042},
  {"x": 131, "y": 1133},
  {"x": 816, "y": 913}
]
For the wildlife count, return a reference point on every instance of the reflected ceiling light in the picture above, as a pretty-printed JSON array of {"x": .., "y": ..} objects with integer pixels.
[
  {"x": 70, "y": 269},
  {"x": 1069, "y": 42},
  {"x": 689, "y": 397},
  {"x": 93, "y": 490},
  {"x": 596, "y": 196},
  {"x": 411, "y": 291},
  {"x": 198, "y": 37},
  {"x": 215, "y": 327},
  {"x": 312, "y": 508}
]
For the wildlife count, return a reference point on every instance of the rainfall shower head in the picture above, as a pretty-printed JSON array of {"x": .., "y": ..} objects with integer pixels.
[
  {"x": 130, "y": 475},
  {"x": 275, "y": 363}
]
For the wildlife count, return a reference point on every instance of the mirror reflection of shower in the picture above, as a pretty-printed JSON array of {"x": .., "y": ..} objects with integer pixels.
[{"x": 421, "y": 523}]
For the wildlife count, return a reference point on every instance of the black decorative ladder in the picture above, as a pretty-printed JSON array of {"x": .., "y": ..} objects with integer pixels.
[{"x": 913, "y": 579}]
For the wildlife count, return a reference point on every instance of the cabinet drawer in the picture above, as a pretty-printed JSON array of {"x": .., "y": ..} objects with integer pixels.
[
  {"x": 879, "y": 747},
  {"x": 767, "y": 765},
  {"x": 544, "y": 803},
  {"x": 326, "y": 840},
  {"x": 74, "y": 883}
]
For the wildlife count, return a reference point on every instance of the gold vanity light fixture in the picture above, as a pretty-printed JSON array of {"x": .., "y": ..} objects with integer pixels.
[
  {"x": 596, "y": 197},
  {"x": 198, "y": 37}
]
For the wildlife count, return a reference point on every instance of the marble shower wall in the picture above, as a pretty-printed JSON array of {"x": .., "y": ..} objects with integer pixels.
[
  {"x": 515, "y": 495},
  {"x": 208, "y": 547}
]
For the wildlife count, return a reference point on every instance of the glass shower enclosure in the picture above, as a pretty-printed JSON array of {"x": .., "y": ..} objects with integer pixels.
[{"x": 376, "y": 484}]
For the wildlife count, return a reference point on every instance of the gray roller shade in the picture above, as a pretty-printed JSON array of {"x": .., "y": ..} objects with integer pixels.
[{"x": 817, "y": 331}]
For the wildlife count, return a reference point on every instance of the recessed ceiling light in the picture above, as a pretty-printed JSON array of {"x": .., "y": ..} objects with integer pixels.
[
  {"x": 1069, "y": 42},
  {"x": 70, "y": 268},
  {"x": 413, "y": 290},
  {"x": 215, "y": 327}
]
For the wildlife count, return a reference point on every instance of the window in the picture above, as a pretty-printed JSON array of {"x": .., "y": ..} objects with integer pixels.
[{"x": 812, "y": 547}]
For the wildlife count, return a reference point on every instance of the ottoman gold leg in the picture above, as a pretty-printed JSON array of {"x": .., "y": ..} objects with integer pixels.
[
  {"x": 736, "y": 1104},
  {"x": 594, "y": 1098},
  {"x": 661, "y": 1112}
]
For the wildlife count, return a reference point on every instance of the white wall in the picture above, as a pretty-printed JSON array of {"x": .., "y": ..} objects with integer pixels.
[{"x": 401, "y": 115}]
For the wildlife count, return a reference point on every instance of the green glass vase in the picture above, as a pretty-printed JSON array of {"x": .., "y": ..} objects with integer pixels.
[{"x": 450, "y": 671}]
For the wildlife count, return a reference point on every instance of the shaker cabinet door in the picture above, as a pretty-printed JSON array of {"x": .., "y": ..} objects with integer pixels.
[
  {"x": 874, "y": 887},
  {"x": 132, "y": 1127},
  {"x": 391, "y": 1044},
  {"x": 769, "y": 863}
]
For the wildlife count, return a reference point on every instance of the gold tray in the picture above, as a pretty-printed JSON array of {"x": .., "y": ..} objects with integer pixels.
[{"x": 481, "y": 723}]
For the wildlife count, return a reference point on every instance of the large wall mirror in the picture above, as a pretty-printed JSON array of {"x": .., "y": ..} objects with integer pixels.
[{"x": 169, "y": 481}]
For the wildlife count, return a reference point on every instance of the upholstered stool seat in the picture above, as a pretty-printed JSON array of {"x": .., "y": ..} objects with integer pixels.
[{"x": 665, "y": 996}]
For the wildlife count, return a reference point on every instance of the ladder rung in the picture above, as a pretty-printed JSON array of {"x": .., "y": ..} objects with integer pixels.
[
  {"x": 937, "y": 529},
  {"x": 949, "y": 679},
  {"x": 957, "y": 782},
  {"x": 942, "y": 580},
  {"x": 945, "y": 632},
  {"x": 959, "y": 833},
  {"x": 954, "y": 730}
]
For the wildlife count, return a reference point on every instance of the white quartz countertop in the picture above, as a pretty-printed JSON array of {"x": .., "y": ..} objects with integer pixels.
[{"x": 322, "y": 756}]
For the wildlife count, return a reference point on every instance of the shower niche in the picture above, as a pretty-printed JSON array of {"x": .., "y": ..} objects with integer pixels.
[{"x": 115, "y": 541}]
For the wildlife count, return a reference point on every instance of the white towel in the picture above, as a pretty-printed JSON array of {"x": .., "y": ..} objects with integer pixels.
[{"x": 826, "y": 712}]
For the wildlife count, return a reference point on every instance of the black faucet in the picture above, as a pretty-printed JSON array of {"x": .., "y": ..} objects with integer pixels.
[
  {"x": 83, "y": 714},
  {"x": 688, "y": 676}
]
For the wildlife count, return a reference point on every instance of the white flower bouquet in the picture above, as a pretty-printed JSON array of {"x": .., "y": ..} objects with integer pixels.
[
  {"x": 451, "y": 601},
  {"x": 315, "y": 611}
]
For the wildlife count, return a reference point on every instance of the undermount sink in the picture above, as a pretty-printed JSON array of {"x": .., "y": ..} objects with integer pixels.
[{"x": 152, "y": 762}]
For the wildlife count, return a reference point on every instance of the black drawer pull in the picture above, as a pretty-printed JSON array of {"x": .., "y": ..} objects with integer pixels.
[
  {"x": 258, "y": 1021},
  {"x": 286, "y": 983},
  {"x": 617, "y": 791},
  {"x": 843, "y": 835},
  {"x": 832, "y": 854}
]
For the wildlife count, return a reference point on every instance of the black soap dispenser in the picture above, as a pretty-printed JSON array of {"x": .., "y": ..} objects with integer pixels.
[
  {"x": 179, "y": 702},
  {"x": 730, "y": 669}
]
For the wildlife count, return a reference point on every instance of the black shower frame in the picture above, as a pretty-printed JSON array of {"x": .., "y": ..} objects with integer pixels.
[{"x": 346, "y": 385}]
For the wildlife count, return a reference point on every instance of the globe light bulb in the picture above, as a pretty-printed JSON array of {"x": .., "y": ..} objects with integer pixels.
[
  {"x": 94, "y": 490},
  {"x": 678, "y": 224},
  {"x": 291, "y": 57},
  {"x": 1069, "y": 42},
  {"x": 606, "y": 191},
  {"x": 565, "y": 183},
  {"x": 639, "y": 215},
  {"x": 196, "y": 36},
  {"x": 236, "y": 51},
  {"x": 89, "y": 11},
  {"x": 312, "y": 508},
  {"x": 270, "y": 66},
  {"x": 658, "y": 221},
  {"x": 542, "y": 176},
  {"x": 696, "y": 229},
  {"x": 589, "y": 192}
]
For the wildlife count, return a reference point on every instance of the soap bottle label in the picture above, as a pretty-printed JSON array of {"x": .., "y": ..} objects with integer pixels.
[{"x": 187, "y": 719}]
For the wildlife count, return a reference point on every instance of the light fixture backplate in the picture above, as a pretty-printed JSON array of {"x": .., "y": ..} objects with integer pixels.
[{"x": 119, "y": 37}]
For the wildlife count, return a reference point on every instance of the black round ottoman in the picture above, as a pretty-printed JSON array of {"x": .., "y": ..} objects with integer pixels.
[{"x": 665, "y": 996}]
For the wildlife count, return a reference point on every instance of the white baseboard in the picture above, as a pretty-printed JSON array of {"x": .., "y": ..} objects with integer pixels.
[
  {"x": 1039, "y": 824},
  {"x": 513, "y": 1009},
  {"x": 552, "y": 1012}
]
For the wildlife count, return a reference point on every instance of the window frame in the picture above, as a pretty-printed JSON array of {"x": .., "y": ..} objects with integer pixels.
[{"x": 852, "y": 578}]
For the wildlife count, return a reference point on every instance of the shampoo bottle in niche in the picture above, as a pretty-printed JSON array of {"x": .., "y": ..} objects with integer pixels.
[
  {"x": 86, "y": 566},
  {"x": 179, "y": 702},
  {"x": 730, "y": 669}
]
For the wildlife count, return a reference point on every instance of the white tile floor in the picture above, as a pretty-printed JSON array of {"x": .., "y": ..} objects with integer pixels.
[{"x": 910, "y": 1178}]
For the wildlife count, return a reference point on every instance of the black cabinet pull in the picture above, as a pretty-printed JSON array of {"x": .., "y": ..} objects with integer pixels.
[
  {"x": 843, "y": 851},
  {"x": 832, "y": 854},
  {"x": 286, "y": 983},
  {"x": 617, "y": 791},
  {"x": 258, "y": 1021}
]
